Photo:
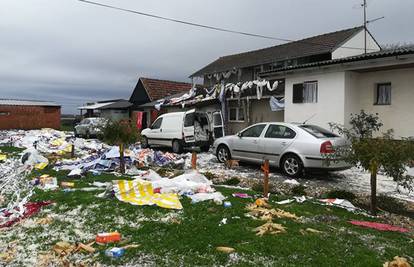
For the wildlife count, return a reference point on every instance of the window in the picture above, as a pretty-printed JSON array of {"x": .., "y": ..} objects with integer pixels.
[
  {"x": 256, "y": 71},
  {"x": 317, "y": 131},
  {"x": 306, "y": 92},
  {"x": 383, "y": 94},
  {"x": 4, "y": 113},
  {"x": 157, "y": 124},
  {"x": 236, "y": 114},
  {"x": 254, "y": 131},
  {"x": 189, "y": 120},
  {"x": 280, "y": 131}
]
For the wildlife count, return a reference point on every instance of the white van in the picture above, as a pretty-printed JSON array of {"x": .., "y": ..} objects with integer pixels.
[{"x": 181, "y": 129}]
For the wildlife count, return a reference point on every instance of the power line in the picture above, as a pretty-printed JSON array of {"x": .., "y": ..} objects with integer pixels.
[{"x": 209, "y": 27}]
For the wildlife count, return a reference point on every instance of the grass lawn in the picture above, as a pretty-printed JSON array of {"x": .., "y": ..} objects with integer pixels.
[
  {"x": 193, "y": 235},
  {"x": 190, "y": 236}
]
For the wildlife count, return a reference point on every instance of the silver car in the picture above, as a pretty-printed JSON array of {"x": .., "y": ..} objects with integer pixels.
[
  {"x": 90, "y": 127},
  {"x": 291, "y": 147}
]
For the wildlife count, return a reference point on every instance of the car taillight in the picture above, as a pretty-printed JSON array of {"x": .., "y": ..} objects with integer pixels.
[{"x": 326, "y": 147}]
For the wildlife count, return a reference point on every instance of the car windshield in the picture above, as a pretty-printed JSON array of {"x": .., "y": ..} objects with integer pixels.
[{"x": 317, "y": 131}]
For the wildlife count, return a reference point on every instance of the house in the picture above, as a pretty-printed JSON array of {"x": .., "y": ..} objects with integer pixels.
[
  {"x": 245, "y": 70},
  {"x": 150, "y": 90},
  {"x": 28, "y": 114}
]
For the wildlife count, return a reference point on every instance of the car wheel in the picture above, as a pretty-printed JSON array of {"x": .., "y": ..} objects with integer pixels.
[
  {"x": 76, "y": 133},
  {"x": 292, "y": 165},
  {"x": 177, "y": 147},
  {"x": 87, "y": 135},
  {"x": 144, "y": 142},
  {"x": 223, "y": 154}
]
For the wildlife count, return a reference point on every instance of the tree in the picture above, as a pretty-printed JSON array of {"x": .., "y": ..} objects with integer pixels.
[
  {"x": 120, "y": 133},
  {"x": 374, "y": 151}
]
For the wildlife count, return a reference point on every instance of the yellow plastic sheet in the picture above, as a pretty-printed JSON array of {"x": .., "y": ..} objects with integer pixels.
[
  {"x": 3, "y": 157},
  {"x": 140, "y": 193},
  {"x": 41, "y": 166}
]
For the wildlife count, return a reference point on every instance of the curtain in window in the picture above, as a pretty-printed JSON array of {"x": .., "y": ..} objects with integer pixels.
[
  {"x": 310, "y": 92},
  {"x": 384, "y": 94}
]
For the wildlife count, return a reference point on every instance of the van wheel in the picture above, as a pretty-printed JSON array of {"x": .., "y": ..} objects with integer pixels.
[
  {"x": 144, "y": 142},
  {"x": 177, "y": 147},
  {"x": 292, "y": 165},
  {"x": 223, "y": 154}
]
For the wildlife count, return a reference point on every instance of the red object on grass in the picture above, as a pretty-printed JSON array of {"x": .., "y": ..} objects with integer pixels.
[
  {"x": 30, "y": 209},
  {"x": 380, "y": 226}
]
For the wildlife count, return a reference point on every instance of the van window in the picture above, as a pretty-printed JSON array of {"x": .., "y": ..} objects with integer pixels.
[
  {"x": 189, "y": 120},
  {"x": 157, "y": 124},
  {"x": 317, "y": 131}
]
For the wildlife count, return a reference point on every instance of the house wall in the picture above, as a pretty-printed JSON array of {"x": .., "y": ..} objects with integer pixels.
[
  {"x": 400, "y": 114},
  {"x": 357, "y": 41},
  {"x": 330, "y": 106},
  {"x": 352, "y": 98},
  {"x": 29, "y": 117}
]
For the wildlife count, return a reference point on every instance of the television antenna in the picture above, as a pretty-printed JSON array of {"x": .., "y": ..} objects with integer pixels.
[{"x": 364, "y": 5}]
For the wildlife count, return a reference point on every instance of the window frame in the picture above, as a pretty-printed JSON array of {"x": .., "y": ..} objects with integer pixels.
[
  {"x": 376, "y": 93},
  {"x": 237, "y": 114}
]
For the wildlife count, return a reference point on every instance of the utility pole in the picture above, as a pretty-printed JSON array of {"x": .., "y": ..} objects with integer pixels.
[{"x": 365, "y": 26}]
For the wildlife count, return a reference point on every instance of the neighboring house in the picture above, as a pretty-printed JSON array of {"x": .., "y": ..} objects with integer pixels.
[
  {"x": 28, "y": 114},
  {"x": 92, "y": 109},
  {"x": 329, "y": 91},
  {"x": 149, "y": 90},
  {"x": 251, "y": 108},
  {"x": 119, "y": 110}
]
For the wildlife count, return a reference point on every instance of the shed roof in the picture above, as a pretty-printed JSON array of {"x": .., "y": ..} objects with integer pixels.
[
  {"x": 319, "y": 44},
  {"x": 121, "y": 104},
  {"x": 95, "y": 106},
  {"x": 157, "y": 89},
  {"x": 20, "y": 102}
]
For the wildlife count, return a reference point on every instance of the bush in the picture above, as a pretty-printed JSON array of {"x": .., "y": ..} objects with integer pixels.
[
  {"x": 343, "y": 194},
  {"x": 299, "y": 190},
  {"x": 232, "y": 181}
]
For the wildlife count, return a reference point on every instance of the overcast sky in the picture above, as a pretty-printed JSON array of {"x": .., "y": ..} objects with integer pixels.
[{"x": 70, "y": 52}]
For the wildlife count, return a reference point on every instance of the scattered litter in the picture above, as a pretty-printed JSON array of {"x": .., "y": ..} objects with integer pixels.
[
  {"x": 269, "y": 228},
  {"x": 67, "y": 184},
  {"x": 64, "y": 248},
  {"x": 380, "y": 226},
  {"x": 227, "y": 204},
  {"x": 139, "y": 192},
  {"x": 86, "y": 247},
  {"x": 269, "y": 214},
  {"x": 232, "y": 163},
  {"x": 115, "y": 252},
  {"x": 291, "y": 181},
  {"x": 3, "y": 157},
  {"x": 75, "y": 173},
  {"x": 104, "y": 238},
  {"x": 225, "y": 249},
  {"x": 216, "y": 196},
  {"x": 310, "y": 230},
  {"x": 397, "y": 262},
  {"x": 286, "y": 201},
  {"x": 12, "y": 216},
  {"x": 261, "y": 202},
  {"x": 342, "y": 203},
  {"x": 9, "y": 254},
  {"x": 45, "y": 220},
  {"x": 223, "y": 221},
  {"x": 241, "y": 195}
]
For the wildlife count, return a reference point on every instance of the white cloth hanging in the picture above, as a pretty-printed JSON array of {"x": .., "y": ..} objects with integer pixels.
[
  {"x": 274, "y": 87},
  {"x": 276, "y": 105}
]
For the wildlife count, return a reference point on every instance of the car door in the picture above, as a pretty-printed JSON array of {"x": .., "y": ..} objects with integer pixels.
[
  {"x": 276, "y": 140},
  {"x": 247, "y": 145},
  {"x": 155, "y": 134}
]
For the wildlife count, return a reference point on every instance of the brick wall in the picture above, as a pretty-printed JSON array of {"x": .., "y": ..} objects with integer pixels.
[{"x": 29, "y": 117}]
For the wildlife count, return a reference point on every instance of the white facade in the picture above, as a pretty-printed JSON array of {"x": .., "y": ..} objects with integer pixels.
[
  {"x": 342, "y": 92},
  {"x": 356, "y": 46}
]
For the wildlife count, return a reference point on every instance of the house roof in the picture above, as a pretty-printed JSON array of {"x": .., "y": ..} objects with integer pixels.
[
  {"x": 319, "y": 44},
  {"x": 121, "y": 104},
  {"x": 95, "y": 106},
  {"x": 373, "y": 55},
  {"x": 157, "y": 89},
  {"x": 19, "y": 102}
]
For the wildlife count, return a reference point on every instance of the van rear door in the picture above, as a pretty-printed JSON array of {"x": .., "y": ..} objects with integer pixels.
[
  {"x": 188, "y": 126},
  {"x": 218, "y": 125}
]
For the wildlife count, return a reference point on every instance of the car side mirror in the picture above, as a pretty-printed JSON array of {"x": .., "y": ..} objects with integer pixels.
[{"x": 239, "y": 135}]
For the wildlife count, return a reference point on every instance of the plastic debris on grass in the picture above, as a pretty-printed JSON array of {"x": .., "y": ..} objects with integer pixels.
[
  {"x": 342, "y": 203},
  {"x": 269, "y": 228},
  {"x": 380, "y": 226},
  {"x": 225, "y": 249},
  {"x": 268, "y": 214}
]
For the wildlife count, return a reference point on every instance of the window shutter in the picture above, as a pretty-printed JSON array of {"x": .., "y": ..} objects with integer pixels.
[{"x": 297, "y": 93}]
